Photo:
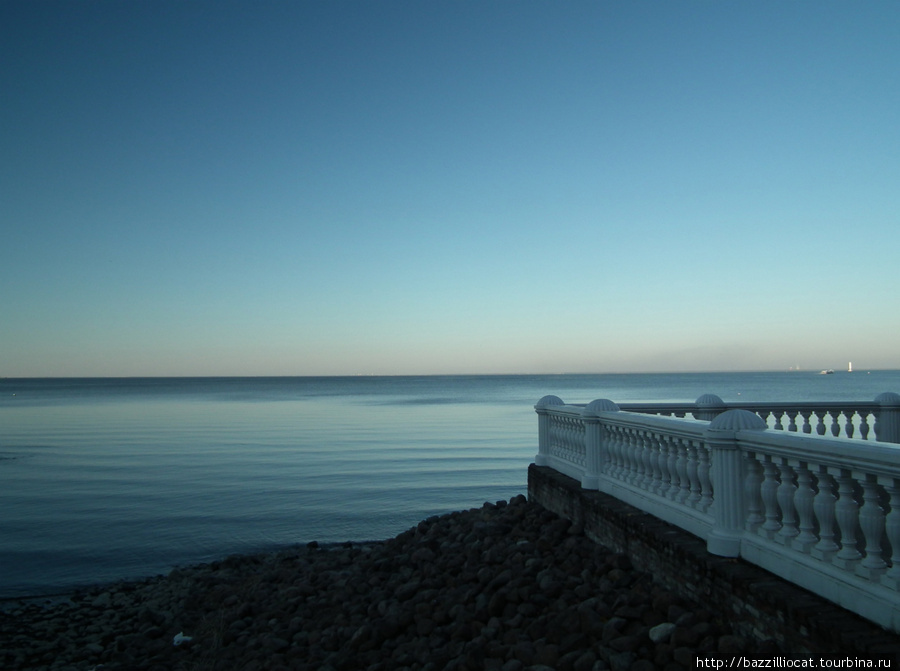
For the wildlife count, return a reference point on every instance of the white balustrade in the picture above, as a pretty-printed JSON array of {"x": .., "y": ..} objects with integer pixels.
[
  {"x": 772, "y": 483},
  {"x": 849, "y": 419}
]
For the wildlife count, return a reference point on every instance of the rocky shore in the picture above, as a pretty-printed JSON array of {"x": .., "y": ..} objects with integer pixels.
[{"x": 506, "y": 586}]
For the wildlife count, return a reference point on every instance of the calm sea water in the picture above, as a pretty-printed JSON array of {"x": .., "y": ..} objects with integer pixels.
[{"x": 103, "y": 479}]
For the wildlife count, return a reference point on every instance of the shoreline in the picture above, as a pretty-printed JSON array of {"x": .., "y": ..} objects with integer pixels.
[
  {"x": 50, "y": 599},
  {"x": 506, "y": 586}
]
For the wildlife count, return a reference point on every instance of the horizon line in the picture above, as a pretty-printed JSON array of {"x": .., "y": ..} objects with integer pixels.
[{"x": 349, "y": 375}]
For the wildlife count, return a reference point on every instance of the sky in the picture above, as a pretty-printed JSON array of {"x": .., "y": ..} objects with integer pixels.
[{"x": 447, "y": 187}]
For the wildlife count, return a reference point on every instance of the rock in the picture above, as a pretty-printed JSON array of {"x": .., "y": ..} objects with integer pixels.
[
  {"x": 625, "y": 643},
  {"x": 621, "y": 661},
  {"x": 661, "y": 632},
  {"x": 730, "y": 646},
  {"x": 613, "y": 628},
  {"x": 684, "y": 637}
]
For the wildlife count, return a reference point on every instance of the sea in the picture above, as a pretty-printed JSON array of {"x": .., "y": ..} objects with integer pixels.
[{"x": 124, "y": 478}]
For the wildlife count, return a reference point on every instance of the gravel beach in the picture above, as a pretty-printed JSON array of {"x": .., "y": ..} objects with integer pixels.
[{"x": 506, "y": 586}]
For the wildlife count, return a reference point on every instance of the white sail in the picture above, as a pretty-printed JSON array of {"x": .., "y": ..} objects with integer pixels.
[{"x": 850, "y": 367}]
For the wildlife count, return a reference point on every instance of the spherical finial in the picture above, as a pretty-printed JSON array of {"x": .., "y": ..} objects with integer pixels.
[
  {"x": 710, "y": 401},
  {"x": 599, "y": 405},
  {"x": 738, "y": 420},
  {"x": 548, "y": 401},
  {"x": 888, "y": 398}
]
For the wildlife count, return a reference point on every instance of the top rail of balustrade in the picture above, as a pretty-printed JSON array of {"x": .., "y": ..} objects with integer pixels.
[
  {"x": 839, "y": 419},
  {"x": 682, "y": 409}
]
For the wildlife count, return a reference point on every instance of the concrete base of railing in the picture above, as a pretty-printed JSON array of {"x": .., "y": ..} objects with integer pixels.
[{"x": 756, "y": 604}]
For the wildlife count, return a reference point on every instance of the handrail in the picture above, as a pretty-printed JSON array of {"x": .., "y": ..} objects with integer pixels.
[
  {"x": 850, "y": 419},
  {"x": 823, "y": 512}
]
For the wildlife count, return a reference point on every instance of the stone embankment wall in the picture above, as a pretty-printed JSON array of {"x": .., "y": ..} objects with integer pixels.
[{"x": 757, "y": 604}]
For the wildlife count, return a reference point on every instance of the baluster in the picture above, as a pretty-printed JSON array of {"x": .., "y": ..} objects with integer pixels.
[
  {"x": 672, "y": 468},
  {"x": 560, "y": 443},
  {"x": 573, "y": 441},
  {"x": 785, "y": 498},
  {"x": 628, "y": 445},
  {"x": 608, "y": 440},
  {"x": 660, "y": 480},
  {"x": 640, "y": 459},
  {"x": 764, "y": 415},
  {"x": 864, "y": 425},
  {"x": 621, "y": 448},
  {"x": 565, "y": 431},
  {"x": 769, "y": 491},
  {"x": 778, "y": 414},
  {"x": 618, "y": 456},
  {"x": 871, "y": 521},
  {"x": 892, "y": 529},
  {"x": 625, "y": 454},
  {"x": 650, "y": 461},
  {"x": 752, "y": 495},
  {"x": 847, "y": 514},
  {"x": 643, "y": 460},
  {"x": 820, "y": 427},
  {"x": 577, "y": 442},
  {"x": 706, "y": 488},
  {"x": 804, "y": 500},
  {"x": 647, "y": 458},
  {"x": 632, "y": 445},
  {"x": 835, "y": 423},
  {"x": 824, "y": 507},
  {"x": 582, "y": 443},
  {"x": 554, "y": 435},
  {"x": 792, "y": 420},
  {"x": 692, "y": 472},
  {"x": 615, "y": 454},
  {"x": 684, "y": 484},
  {"x": 848, "y": 427},
  {"x": 807, "y": 427}
]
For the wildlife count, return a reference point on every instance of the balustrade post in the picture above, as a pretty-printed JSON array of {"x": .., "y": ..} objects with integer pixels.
[
  {"x": 887, "y": 424},
  {"x": 728, "y": 510},
  {"x": 541, "y": 408},
  {"x": 595, "y": 456}
]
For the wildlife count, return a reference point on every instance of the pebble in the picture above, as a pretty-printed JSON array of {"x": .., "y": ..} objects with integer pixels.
[{"x": 507, "y": 586}]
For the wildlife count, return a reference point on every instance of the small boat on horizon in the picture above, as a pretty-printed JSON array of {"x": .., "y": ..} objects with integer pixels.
[{"x": 830, "y": 371}]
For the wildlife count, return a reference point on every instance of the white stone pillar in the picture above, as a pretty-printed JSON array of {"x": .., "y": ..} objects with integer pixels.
[
  {"x": 541, "y": 458},
  {"x": 887, "y": 428},
  {"x": 595, "y": 450},
  {"x": 729, "y": 510}
]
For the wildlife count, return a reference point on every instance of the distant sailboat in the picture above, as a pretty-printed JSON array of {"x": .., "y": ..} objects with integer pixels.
[{"x": 850, "y": 367}]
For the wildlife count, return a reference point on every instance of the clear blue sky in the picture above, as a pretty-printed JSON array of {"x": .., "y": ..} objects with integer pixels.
[{"x": 305, "y": 188}]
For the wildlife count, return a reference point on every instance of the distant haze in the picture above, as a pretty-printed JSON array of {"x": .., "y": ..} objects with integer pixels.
[{"x": 353, "y": 187}]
